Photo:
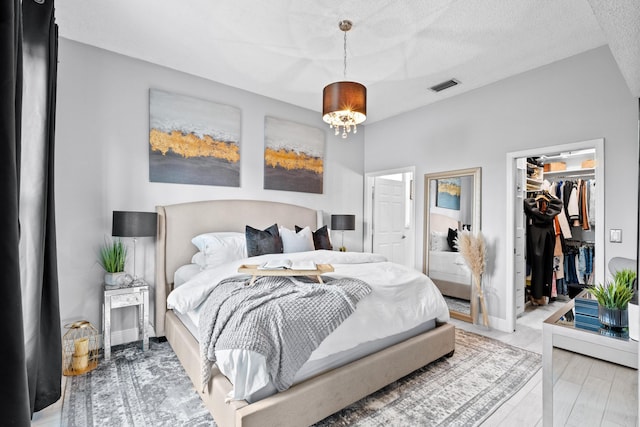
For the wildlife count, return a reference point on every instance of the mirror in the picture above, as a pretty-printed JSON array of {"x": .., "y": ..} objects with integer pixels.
[{"x": 452, "y": 204}]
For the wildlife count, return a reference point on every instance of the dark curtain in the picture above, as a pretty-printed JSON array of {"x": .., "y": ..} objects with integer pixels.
[
  {"x": 31, "y": 358},
  {"x": 14, "y": 392}
]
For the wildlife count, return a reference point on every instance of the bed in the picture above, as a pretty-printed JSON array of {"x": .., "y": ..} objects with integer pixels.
[
  {"x": 447, "y": 268},
  {"x": 313, "y": 398}
]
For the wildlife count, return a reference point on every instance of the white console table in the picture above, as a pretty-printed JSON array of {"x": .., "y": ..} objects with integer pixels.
[{"x": 560, "y": 333}]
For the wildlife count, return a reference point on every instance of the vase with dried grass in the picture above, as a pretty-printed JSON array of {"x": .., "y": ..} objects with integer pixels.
[{"x": 473, "y": 250}]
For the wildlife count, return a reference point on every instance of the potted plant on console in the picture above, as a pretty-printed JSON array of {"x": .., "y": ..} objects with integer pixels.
[
  {"x": 613, "y": 300},
  {"x": 629, "y": 277},
  {"x": 112, "y": 259}
]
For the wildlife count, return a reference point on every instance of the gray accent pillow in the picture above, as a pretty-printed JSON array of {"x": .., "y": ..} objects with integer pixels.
[{"x": 260, "y": 242}]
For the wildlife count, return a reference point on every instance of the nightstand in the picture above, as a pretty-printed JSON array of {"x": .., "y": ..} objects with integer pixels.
[{"x": 125, "y": 296}]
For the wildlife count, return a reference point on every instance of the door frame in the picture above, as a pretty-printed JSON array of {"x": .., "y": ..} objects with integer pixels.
[
  {"x": 599, "y": 262},
  {"x": 368, "y": 210}
]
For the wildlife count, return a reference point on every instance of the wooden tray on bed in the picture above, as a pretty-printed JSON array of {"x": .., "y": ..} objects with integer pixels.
[{"x": 255, "y": 271}]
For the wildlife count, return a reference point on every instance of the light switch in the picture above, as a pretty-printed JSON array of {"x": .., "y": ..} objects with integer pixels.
[{"x": 615, "y": 235}]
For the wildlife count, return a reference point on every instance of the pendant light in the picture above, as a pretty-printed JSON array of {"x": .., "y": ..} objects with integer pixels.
[{"x": 344, "y": 104}]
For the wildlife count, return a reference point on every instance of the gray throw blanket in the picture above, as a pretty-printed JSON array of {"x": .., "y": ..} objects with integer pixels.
[{"x": 282, "y": 318}]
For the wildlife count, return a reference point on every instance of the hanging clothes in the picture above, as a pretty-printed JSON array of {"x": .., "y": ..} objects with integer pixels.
[
  {"x": 562, "y": 221},
  {"x": 584, "y": 206},
  {"x": 573, "y": 207},
  {"x": 570, "y": 273},
  {"x": 592, "y": 202},
  {"x": 541, "y": 238},
  {"x": 558, "y": 257}
]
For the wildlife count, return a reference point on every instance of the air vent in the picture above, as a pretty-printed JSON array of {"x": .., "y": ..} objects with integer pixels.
[{"x": 444, "y": 85}]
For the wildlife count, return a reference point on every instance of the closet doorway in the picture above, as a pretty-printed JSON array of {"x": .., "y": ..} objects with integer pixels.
[{"x": 527, "y": 177}]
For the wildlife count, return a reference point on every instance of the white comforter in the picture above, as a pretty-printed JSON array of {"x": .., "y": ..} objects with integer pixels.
[
  {"x": 402, "y": 298},
  {"x": 449, "y": 266}
]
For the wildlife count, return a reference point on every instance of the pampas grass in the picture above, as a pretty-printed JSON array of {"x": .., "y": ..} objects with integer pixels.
[{"x": 474, "y": 252}]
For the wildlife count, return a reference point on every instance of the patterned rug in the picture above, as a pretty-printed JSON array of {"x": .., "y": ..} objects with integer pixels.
[
  {"x": 459, "y": 305},
  {"x": 151, "y": 388}
]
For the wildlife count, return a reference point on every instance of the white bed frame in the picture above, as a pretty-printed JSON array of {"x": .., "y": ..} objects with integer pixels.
[{"x": 304, "y": 403}]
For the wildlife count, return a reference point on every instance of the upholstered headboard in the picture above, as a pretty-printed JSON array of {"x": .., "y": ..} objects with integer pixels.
[
  {"x": 442, "y": 223},
  {"x": 178, "y": 224}
]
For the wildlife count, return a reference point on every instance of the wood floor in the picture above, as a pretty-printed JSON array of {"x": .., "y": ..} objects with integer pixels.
[{"x": 589, "y": 392}]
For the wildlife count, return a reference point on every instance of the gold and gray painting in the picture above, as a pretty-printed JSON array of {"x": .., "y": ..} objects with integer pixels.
[
  {"x": 193, "y": 141},
  {"x": 293, "y": 156}
]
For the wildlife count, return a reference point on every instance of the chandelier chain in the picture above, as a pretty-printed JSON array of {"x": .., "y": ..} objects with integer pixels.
[{"x": 345, "y": 55}]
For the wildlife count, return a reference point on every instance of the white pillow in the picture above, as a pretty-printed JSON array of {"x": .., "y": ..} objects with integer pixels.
[
  {"x": 301, "y": 241},
  {"x": 210, "y": 241},
  {"x": 438, "y": 241},
  {"x": 185, "y": 273},
  {"x": 200, "y": 259},
  {"x": 219, "y": 248}
]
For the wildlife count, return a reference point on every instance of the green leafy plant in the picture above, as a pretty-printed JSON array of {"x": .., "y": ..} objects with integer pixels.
[
  {"x": 615, "y": 294},
  {"x": 625, "y": 275},
  {"x": 113, "y": 256}
]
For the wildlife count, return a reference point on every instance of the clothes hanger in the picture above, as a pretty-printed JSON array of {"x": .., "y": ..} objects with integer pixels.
[{"x": 544, "y": 195}]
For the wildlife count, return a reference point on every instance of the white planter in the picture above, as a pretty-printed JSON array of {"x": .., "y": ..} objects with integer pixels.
[
  {"x": 113, "y": 279},
  {"x": 634, "y": 321}
]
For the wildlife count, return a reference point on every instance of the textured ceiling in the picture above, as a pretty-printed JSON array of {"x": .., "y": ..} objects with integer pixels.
[{"x": 289, "y": 50}]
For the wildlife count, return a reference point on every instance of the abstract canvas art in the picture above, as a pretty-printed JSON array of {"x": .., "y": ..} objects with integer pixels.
[
  {"x": 293, "y": 156},
  {"x": 448, "y": 195},
  {"x": 193, "y": 141}
]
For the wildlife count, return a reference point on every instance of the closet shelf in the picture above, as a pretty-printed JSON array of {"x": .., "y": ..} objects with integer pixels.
[{"x": 587, "y": 172}]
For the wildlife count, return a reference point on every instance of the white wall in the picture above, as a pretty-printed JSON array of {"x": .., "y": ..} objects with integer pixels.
[
  {"x": 580, "y": 98},
  {"x": 102, "y": 165}
]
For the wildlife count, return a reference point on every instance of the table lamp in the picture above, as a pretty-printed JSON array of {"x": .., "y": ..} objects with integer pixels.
[
  {"x": 134, "y": 224},
  {"x": 342, "y": 223}
]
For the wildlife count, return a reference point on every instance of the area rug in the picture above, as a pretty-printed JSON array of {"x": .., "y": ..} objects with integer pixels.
[
  {"x": 459, "y": 305},
  {"x": 151, "y": 388}
]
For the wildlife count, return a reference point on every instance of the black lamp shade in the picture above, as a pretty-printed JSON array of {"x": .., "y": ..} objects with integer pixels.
[
  {"x": 134, "y": 224},
  {"x": 343, "y": 222}
]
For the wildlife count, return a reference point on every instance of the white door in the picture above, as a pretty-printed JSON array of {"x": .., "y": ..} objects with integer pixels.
[
  {"x": 389, "y": 234},
  {"x": 520, "y": 268}
]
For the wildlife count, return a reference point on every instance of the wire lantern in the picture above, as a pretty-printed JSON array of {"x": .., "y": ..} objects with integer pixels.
[{"x": 79, "y": 348}]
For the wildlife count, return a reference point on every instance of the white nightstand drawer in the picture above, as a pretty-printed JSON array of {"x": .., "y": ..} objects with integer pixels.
[{"x": 125, "y": 300}]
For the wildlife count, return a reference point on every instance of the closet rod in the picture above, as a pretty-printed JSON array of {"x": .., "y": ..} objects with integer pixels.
[
  {"x": 579, "y": 242},
  {"x": 581, "y": 175},
  {"x": 587, "y": 172}
]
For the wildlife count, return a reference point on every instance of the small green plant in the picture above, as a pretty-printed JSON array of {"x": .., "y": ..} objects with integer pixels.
[
  {"x": 625, "y": 276},
  {"x": 113, "y": 256},
  {"x": 615, "y": 294}
]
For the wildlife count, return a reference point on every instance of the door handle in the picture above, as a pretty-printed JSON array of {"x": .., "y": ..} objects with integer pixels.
[{"x": 404, "y": 237}]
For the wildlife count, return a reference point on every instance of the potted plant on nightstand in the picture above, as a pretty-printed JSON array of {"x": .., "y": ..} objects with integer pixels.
[
  {"x": 613, "y": 300},
  {"x": 112, "y": 259}
]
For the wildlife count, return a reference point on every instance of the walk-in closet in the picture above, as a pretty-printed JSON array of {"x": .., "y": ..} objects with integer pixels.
[{"x": 556, "y": 226}]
